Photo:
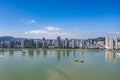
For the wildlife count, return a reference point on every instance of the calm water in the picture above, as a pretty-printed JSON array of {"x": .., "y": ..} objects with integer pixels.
[{"x": 59, "y": 65}]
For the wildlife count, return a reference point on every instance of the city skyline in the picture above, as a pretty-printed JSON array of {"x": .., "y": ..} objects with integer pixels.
[
  {"x": 68, "y": 19},
  {"x": 108, "y": 43}
]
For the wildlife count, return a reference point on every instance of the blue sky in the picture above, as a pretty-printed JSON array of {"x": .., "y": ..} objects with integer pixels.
[{"x": 67, "y": 18}]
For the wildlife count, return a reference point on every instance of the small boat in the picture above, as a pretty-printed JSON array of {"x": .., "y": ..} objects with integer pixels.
[{"x": 77, "y": 60}]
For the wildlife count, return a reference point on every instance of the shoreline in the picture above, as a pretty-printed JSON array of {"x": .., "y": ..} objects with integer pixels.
[{"x": 53, "y": 49}]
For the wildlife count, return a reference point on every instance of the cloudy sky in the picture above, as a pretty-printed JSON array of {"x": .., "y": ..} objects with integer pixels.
[{"x": 65, "y": 18}]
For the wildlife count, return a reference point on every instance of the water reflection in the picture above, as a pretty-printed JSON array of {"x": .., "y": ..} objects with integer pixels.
[
  {"x": 46, "y": 67},
  {"x": 38, "y": 52},
  {"x": 1, "y": 54},
  {"x": 93, "y": 51},
  {"x": 63, "y": 53},
  {"x": 67, "y": 52},
  {"x": 81, "y": 53},
  {"x": 23, "y": 53},
  {"x": 110, "y": 56},
  {"x": 31, "y": 53},
  {"x": 58, "y": 55},
  {"x": 73, "y": 53},
  {"x": 11, "y": 53},
  {"x": 45, "y": 53}
]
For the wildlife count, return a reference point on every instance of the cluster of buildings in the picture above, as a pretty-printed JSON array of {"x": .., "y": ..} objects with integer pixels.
[
  {"x": 112, "y": 43},
  {"x": 104, "y": 43}
]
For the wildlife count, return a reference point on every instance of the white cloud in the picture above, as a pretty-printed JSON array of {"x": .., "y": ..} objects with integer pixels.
[
  {"x": 100, "y": 34},
  {"x": 52, "y": 28},
  {"x": 48, "y": 34},
  {"x": 31, "y": 21},
  {"x": 37, "y": 32},
  {"x": 115, "y": 33},
  {"x": 57, "y": 34}
]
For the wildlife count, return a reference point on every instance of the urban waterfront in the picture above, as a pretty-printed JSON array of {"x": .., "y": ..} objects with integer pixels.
[
  {"x": 7, "y": 42},
  {"x": 59, "y": 64}
]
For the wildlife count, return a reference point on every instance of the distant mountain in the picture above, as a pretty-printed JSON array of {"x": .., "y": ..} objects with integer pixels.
[
  {"x": 99, "y": 39},
  {"x": 10, "y": 38},
  {"x": 103, "y": 39}
]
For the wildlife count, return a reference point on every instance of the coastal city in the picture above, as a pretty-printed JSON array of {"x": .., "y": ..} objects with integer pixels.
[
  {"x": 96, "y": 43},
  {"x": 59, "y": 39}
]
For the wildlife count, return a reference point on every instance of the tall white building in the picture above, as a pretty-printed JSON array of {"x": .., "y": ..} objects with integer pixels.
[
  {"x": 115, "y": 43},
  {"x": 81, "y": 44},
  {"x": 118, "y": 45},
  {"x": 73, "y": 43},
  {"x": 111, "y": 43},
  {"x": 22, "y": 43},
  {"x": 66, "y": 43}
]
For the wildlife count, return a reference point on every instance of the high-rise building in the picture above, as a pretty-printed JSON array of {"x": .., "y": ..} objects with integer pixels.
[
  {"x": 73, "y": 43},
  {"x": 62, "y": 44},
  {"x": 2, "y": 44},
  {"x": 115, "y": 43},
  {"x": 107, "y": 40},
  {"x": 37, "y": 43},
  {"x": 70, "y": 44},
  {"x": 11, "y": 44},
  {"x": 58, "y": 42},
  {"x": 81, "y": 44},
  {"x": 7, "y": 44},
  {"x": 77, "y": 43},
  {"x": 91, "y": 43},
  {"x": 111, "y": 43},
  {"x": 22, "y": 43},
  {"x": 50, "y": 42},
  {"x": 31, "y": 43},
  {"x": 44, "y": 43},
  {"x": 118, "y": 45},
  {"x": 66, "y": 43}
]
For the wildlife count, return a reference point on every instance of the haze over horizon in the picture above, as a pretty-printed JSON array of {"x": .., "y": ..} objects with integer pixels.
[{"x": 66, "y": 18}]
